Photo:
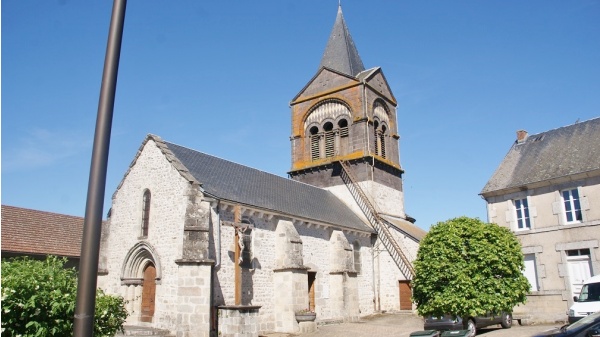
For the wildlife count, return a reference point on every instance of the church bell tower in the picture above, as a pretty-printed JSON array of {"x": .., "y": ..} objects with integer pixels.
[{"x": 346, "y": 114}]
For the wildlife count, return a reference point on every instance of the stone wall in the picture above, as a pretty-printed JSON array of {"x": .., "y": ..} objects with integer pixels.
[
  {"x": 278, "y": 269},
  {"x": 237, "y": 321},
  {"x": 164, "y": 243},
  {"x": 549, "y": 238},
  {"x": 542, "y": 308},
  {"x": 188, "y": 233},
  {"x": 193, "y": 299}
]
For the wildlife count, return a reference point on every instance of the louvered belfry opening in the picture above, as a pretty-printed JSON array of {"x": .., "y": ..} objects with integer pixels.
[
  {"x": 343, "y": 134},
  {"x": 382, "y": 141},
  {"x": 315, "y": 152},
  {"x": 329, "y": 140},
  {"x": 376, "y": 138},
  {"x": 328, "y": 130},
  {"x": 379, "y": 133}
]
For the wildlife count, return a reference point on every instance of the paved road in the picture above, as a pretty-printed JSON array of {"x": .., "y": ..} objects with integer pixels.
[{"x": 401, "y": 325}]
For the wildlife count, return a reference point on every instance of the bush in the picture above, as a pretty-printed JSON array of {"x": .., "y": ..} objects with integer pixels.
[
  {"x": 38, "y": 299},
  {"x": 466, "y": 267}
]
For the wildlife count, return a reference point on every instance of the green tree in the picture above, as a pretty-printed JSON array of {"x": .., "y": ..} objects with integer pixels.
[
  {"x": 467, "y": 268},
  {"x": 38, "y": 299}
]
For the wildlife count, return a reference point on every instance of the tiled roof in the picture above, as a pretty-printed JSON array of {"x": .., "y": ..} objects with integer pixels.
[
  {"x": 556, "y": 154},
  {"x": 230, "y": 181},
  {"x": 29, "y": 231},
  {"x": 341, "y": 53}
]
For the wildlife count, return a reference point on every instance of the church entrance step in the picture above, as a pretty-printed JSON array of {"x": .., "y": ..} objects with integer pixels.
[{"x": 134, "y": 330}]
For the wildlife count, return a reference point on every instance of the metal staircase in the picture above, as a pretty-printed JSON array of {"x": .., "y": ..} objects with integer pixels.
[{"x": 380, "y": 224}]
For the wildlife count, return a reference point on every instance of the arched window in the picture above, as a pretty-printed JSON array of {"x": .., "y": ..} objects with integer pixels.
[
  {"x": 375, "y": 137},
  {"x": 382, "y": 135},
  {"x": 146, "y": 212},
  {"x": 329, "y": 140},
  {"x": 326, "y": 134},
  {"x": 379, "y": 134},
  {"x": 315, "y": 152},
  {"x": 356, "y": 249},
  {"x": 380, "y": 126},
  {"x": 342, "y": 136}
]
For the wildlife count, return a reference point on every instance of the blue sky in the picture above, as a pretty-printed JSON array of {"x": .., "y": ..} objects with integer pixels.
[{"x": 218, "y": 77}]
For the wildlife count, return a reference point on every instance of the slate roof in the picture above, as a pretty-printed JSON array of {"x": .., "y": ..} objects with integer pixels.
[
  {"x": 230, "y": 181},
  {"x": 341, "y": 53},
  {"x": 550, "y": 155},
  {"x": 32, "y": 232}
]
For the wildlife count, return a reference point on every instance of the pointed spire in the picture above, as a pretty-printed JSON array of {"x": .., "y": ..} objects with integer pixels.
[{"x": 341, "y": 53}]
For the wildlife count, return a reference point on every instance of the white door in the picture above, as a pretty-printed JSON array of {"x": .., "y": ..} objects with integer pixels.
[
  {"x": 531, "y": 272},
  {"x": 579, "y": 271}
]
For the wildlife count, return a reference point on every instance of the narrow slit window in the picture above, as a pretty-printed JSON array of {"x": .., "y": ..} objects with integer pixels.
[
  {"x": 357, "y": 262},
  {"x": 146, "y": 212}
]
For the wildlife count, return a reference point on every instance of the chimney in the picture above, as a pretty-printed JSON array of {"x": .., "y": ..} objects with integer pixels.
[{"x": 521, "y": 136}]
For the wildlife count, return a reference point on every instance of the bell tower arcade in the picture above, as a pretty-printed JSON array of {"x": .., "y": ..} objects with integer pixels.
[{"x": 347, "y": 113}]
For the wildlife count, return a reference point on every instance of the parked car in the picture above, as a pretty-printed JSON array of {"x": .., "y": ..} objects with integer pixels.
[
  {"x": 588, "y": 326},
  {"x": 588, "y": 300},
  {"x": 452, "y": 322}
]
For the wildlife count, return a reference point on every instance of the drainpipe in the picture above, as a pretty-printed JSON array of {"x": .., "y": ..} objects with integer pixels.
[
  {"x": 365, "y": 111},
  {"x": 214, "y": 323},
  {"x": 373, "y": 286},
  {"x": 218, "y": 225}
]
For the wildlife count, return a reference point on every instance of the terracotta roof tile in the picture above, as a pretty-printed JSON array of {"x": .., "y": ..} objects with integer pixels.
[{"x": 36, "y": 232}]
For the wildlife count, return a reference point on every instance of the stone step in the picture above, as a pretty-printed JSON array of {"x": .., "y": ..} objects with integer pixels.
[{"x": 136, "y": 330}]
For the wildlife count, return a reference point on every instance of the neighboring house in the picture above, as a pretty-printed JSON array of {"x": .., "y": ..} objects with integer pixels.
[
  {"x": 196, "y": 243},
  {"x": 547, "y": 191},
  {"x": 27, "y": 232}
]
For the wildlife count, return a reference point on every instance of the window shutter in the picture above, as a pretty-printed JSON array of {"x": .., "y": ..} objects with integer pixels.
[
  {"x": 556, "y": 207},
  {"x": 382, "y": 143},
  {"x": 585, "y": 204},
  {"x": 314, "y": 147},
  {"x": 329, "y": 144}
]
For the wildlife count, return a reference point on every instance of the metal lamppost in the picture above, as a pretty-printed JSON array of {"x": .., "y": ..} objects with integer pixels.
[{"x": 92, "y": 226}]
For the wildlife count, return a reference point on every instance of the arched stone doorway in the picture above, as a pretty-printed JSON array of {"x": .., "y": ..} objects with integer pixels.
[{"x": 140, "y": 275}]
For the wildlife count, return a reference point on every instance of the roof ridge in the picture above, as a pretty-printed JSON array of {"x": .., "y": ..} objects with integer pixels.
[
  {"x": 41, "y": 211},
  {"x": 227, "y": 160},
  {"x": 253, "y": 168},
  {"x": 250, "y": 167},
  {"x": 228, "y": 180},
  {"x": 566, "y": 126}
]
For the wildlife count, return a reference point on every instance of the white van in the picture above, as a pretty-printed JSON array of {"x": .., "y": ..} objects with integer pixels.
[{"x": 588, "y": 300}]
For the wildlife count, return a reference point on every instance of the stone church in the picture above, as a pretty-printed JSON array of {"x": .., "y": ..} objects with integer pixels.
[{"x": 203, "y": 246}]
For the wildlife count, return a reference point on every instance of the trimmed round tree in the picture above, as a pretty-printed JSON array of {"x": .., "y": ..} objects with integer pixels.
[{"x": 466, "y": 267}]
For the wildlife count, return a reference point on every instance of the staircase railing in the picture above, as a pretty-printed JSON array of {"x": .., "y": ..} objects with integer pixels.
[{"x": 380, "y": 225}]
